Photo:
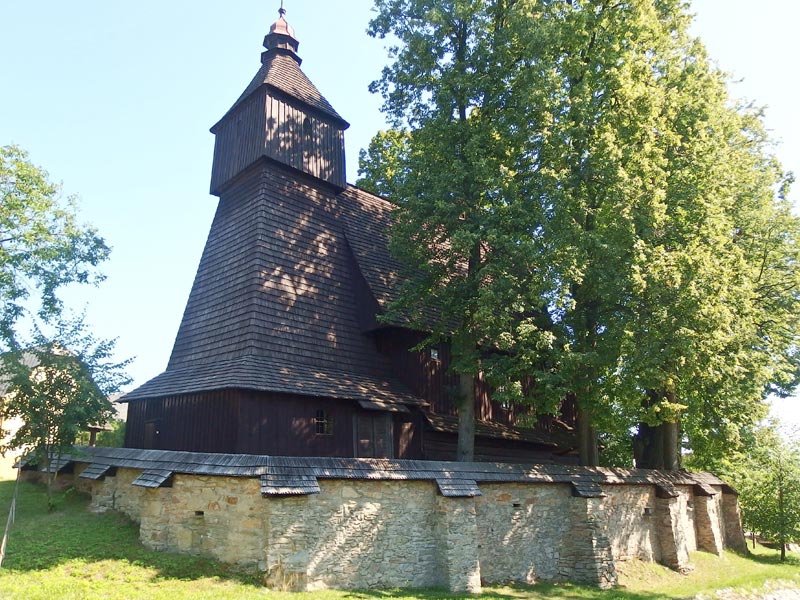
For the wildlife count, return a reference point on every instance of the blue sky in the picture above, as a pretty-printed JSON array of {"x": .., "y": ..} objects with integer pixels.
[{"x": 115, "y": 100}]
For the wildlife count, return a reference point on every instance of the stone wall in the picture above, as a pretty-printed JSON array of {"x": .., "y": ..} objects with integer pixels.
[
  {"x": 631, "y": 522},
  {"x": 522, "y": 531},
  {"x": 359, "y": 533}
]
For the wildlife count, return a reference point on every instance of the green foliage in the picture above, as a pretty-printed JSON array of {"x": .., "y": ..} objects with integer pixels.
[
  {"x": 767, "y": 476},
  {"x": 382, "y": 165},
  {"x": 42, "y": 245},
  {"x": 58, "y": 388},
  {"x": 588, "y": 211},
  {"x": 57, "y": 378},
  {"x": 115, "y": 438}
]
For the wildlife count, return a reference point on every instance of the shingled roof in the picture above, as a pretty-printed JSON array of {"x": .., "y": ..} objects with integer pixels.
[
  {"x": 295, "y": 475},
  {"x": 367, "y": 219},
  {"x": 269, "y": 374},
  {"x": 282, "y": 73},
  {"x": 273, "y": 305}
]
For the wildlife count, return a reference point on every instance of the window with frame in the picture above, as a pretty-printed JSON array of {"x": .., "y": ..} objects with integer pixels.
[{"x": 323, "y": 423}]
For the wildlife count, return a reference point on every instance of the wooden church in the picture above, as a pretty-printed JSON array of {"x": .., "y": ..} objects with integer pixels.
[{"x": 280, "y": 351}]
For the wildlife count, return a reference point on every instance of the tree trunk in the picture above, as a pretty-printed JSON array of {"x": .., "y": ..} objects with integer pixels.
[
  {"x": 781, "y": 521},
  {"x": 670, "y": 440},
  {"x": 465, "y": 451},
  {"x": 657, "y": 446},
  {"x": 649, "y": 441},
  {"x": 594, "y": 451},
  {"x": 587, "y": 440}
]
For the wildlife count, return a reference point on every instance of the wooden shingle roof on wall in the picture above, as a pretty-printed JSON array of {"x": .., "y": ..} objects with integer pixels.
[{"x": 300, "y": 475}]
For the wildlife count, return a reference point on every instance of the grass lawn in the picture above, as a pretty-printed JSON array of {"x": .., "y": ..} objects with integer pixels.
[{"x": 72, "y": 553}]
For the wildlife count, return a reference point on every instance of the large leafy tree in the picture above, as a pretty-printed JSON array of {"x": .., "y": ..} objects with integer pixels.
[
  {"x": 460, "y": 226},
  {"x": 600, "y": 222},
  {"x": 55, "y": 376},
  {"x": 43, "y": 246}
]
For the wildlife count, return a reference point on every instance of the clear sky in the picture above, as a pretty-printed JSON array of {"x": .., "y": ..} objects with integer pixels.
[{"x": 115, "y": 100}]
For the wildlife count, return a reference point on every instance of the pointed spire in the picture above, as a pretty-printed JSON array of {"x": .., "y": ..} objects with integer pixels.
[{"x": 281, "y": 38}]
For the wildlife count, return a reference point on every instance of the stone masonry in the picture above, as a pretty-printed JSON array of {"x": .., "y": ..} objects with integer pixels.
[
  {"x": 364, "y": 525},
  {"x": 387, "y": 534}
]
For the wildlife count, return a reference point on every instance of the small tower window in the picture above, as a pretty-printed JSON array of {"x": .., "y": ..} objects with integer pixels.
[
  {"x": 434, "y": 353},
  {"x": 308, "y": 129},
  {"x": 323, "y": 423}
]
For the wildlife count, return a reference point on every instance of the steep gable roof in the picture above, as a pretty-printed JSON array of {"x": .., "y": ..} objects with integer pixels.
[{"x": 282, "y": 73}]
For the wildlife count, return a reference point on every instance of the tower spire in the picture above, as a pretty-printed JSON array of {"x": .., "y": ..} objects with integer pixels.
[{"x": 281, "y": 38}]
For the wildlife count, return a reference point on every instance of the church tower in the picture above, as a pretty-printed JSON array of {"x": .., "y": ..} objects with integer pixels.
[
  {"x": 270, "y": 356},
  {"x": 280, "y": 116}
]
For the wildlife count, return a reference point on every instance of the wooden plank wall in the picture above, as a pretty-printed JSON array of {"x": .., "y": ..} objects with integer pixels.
[
  {"x": 250, "y": 422},
  {"x": 197, "y": 422},
  {"x": 239, "y": 140},
  {"x": 430, "y": 379},
  {"x": 284, "y": 425},
  {"x": 265, "y": 125}
]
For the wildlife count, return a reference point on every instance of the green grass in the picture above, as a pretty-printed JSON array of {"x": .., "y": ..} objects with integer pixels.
[{"x": 74, "y": 554}]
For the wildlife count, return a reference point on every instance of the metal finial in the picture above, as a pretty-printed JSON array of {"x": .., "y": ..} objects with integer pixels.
[{"x": 281, "y": 10}]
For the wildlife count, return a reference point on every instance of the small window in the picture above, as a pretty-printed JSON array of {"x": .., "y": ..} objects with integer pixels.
[
  {"x": 434, "y": 353},
  {"x": 323, "y": 423},
  {"x": 308, "y": 129}
]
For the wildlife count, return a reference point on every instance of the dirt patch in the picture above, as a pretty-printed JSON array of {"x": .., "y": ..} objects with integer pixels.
[{"x": 772, "y": 590}]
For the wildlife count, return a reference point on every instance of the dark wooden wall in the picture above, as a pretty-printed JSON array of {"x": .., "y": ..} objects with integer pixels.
[
  {"x": 249, "y": 422},
  {"x": 266, "y": 124},
  {"x": 430, "y": 379},
  {"x": 198, "y": 423},
  {"x": 442, "y": 446}
]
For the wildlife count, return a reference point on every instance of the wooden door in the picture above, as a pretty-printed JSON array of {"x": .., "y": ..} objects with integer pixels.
[{"x": 373, "y": 436}]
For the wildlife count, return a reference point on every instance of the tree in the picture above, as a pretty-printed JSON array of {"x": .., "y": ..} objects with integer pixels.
[
  {"x": 599, "y": 222},
  {"x": 57, "y": 388},
  {"x": 42, "y": 245},
  {"x": 467, "y": 237},
  {"x": 57, "y": 376},
  {"x": 382, "y": 165},
  {"x": 768, "y": 481}
]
